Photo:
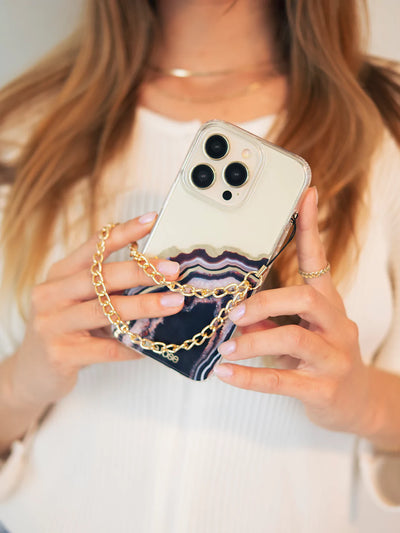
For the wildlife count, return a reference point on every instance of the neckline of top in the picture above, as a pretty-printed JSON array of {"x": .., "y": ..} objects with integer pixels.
[{"x": 188, "y": 126}]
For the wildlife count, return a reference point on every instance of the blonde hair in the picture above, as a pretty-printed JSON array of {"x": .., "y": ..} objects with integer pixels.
[{"x": 91, "y": 86}]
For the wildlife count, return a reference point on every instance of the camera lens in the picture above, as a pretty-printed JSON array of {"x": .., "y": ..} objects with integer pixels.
[
  {"x": 216, "y": 147},
  {"x": 202, "y": 176},
  {"x": 236, "y": 174}
]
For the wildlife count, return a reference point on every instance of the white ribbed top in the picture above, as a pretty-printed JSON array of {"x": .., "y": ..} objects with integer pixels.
[{"x": 137, "y": 447}]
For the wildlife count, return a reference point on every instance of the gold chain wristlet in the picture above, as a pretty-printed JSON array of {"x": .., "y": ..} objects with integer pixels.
[{"x": 251, "y": 281}]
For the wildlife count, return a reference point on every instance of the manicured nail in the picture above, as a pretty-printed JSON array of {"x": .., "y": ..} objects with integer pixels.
[
  {"x": 172, "y": 300},
  {"x": 169, "y": 268},
  {"x": 148, "y": 217},
  {"x": 316, "y": 195},
  {"x": 223, "y": 371},
  {"x": 227, "y": 347},
  {"x": 237, "y": 312}
]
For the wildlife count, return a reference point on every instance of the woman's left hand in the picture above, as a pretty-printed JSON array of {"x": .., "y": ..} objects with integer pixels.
[{"x": 319, "y": 362}]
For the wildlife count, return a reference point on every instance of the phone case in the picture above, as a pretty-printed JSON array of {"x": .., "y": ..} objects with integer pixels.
[{"x": 217, "y": 234}]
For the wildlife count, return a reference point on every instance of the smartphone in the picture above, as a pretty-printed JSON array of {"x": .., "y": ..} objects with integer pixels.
[{"x": 227, "y": 213}]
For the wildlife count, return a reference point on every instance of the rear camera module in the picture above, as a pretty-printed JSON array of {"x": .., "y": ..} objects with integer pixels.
[
  {"x": 202, "y": 176},
  {"x": 216, "y": 146},
  {"x": 236, "y": 174}
]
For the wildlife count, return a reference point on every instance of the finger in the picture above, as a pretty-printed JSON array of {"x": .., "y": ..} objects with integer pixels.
[
  {"x": 120, "y": 236},
  {"x": 263, "y": 325},
  {"x": 285, "y": 340},
  {"x": 302, "y": 300},
  {"x": 97, "y": 350},
  {"x": 117, "y": 277},
  {"x": 89, "y": 315},
  {"x": 268, "y": 380},
  {"x": 310, "y": 250}
]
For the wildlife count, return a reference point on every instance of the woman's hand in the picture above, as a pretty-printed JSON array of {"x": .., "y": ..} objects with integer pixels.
[
  {"x": 65, "y": 312},
  {"x": 319, "y": 362}
]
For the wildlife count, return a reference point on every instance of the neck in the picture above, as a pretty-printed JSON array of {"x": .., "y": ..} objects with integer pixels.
[
  {"x": 210, "y": 36},
  {"x": 207, "y": 35}
]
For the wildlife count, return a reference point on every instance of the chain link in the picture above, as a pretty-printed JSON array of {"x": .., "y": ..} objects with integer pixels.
[{"x": 252, "y": 280}]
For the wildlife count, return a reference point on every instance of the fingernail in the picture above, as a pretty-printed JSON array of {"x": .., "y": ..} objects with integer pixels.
[
  {"x": 169, "y": 268},
  {"x": 172, "y": 300},
  {"x": 227, "y": 347},
  {"x": 148, "y": 217},
  {"x": 223, "y": 371},
  {"x": 237, "y": 312},
  {"x": 316, "y": 195}
]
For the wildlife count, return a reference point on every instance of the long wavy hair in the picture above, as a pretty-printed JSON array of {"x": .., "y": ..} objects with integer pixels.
[{"x": 339, "y": 102}]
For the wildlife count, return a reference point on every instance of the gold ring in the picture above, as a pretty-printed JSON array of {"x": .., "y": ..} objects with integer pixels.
[{"x": 316, "y": 274}]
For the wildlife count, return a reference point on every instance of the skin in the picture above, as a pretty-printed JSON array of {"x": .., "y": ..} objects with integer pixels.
[
  {"x": 320, "y": 361},
  {"x": 63, "y": 331},
  {"x": 321, "y": 364},
  {"x": 228, "y": 35},
  {"x": 65, "y": 315}
]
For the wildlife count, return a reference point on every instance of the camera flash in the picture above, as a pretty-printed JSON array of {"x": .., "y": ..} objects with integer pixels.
[{"x": 246, "y": 153}]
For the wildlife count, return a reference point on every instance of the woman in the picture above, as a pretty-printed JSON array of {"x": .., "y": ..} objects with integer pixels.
[{"x": 130, "y": 446}]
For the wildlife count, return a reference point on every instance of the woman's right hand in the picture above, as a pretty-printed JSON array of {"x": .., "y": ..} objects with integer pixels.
[{"x": 65, "y": 312}]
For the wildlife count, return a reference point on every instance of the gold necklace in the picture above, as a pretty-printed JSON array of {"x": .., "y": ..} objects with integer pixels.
[
  {"x": 186, "y": 73},
  {"x": 272, "y": 71}
]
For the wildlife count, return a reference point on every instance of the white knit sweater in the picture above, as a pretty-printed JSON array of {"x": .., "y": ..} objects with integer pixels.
[{"x": 136, "y": 447}]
